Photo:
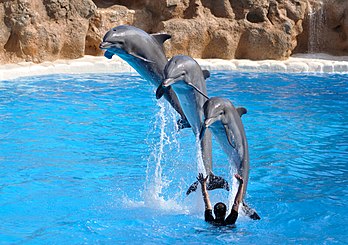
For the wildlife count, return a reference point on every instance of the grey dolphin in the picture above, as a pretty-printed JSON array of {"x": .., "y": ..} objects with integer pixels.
[
  {"x": 145, "y": 54},
  {"x": 225, "y": 122},
  {"x": 184, "y": 75}
]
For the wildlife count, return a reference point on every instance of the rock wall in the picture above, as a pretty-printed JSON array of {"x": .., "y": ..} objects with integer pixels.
[
  {"x": 41, "y": 30},
  {"x": 326, "y": 28}
]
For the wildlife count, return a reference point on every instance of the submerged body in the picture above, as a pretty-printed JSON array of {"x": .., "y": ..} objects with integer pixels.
[
  {"x": 220, "y": 208},
  {"x": 184, "y": 75},
  {"x": 224, "y": 120},
  {"x": 144, "y": 52}
]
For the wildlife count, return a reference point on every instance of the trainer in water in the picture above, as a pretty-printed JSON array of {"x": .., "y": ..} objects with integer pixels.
[
  {"x": 144, "y": 52},
  {"x": 184, "y": 75},
  {"x": 225, "y": 122},
  {"x": 220, "y": 208}
]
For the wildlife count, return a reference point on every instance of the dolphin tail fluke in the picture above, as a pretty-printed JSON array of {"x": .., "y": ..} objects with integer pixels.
[
  {"x": 215, "y": 182},
  {"x": 192, "y": 188},
  {"x": 250, "y": 212}
]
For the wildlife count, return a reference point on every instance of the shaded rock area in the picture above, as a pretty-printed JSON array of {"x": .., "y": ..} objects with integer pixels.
[
  {"x": 45, "y": 30},
  {"x": 325, "y": 28}
]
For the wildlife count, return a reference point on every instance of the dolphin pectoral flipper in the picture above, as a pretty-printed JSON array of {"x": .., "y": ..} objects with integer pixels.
[
  {"x": 160, "y": 91},
  {"x": 230, "y": 136},
  {"x": 206, "y": 74},
  {"x": 215, "y": 182},
  {"x": 108, "y": 54},
  {"x": 241, "y": 111},
  {"x": 251, "y": 213},
  {"x": 161, "y": 37}
]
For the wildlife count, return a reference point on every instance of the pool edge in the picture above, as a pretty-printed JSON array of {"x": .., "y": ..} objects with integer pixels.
[{"x": 300, "y": 63}]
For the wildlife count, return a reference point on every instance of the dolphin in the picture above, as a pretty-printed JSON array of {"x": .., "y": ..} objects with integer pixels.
[
  {"x": 184, "y": 75},
  {"x": 144, "y": 52},
  {"x": 225, "y": 122}
]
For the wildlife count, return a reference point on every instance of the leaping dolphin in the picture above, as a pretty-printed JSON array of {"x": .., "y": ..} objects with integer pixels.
[
  {"x": 225, "y": 122},
  {"x": 184, "y": 75},
  {"x": 145, "y": 54}
]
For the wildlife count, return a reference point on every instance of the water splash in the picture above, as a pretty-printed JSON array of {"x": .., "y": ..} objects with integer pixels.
[
  {"x": 199, "y": 154},
  {"x": 233, "y": 185},
  {"x": 162, "y": 152}
]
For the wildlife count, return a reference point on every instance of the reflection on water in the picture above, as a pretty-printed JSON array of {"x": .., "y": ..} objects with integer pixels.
[{"x": 88, "y": 159}]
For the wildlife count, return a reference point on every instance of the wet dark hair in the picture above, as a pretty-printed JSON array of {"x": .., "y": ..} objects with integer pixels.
[{"x": 220, "y": 210}]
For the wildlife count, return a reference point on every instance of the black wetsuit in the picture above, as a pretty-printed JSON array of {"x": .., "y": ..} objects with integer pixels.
[{"x": 230, "y": 220}]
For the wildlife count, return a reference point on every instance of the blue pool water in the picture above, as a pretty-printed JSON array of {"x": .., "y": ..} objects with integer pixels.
[{"x": 95, "y": 159}]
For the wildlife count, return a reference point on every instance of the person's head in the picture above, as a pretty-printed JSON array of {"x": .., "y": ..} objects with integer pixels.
[{"x": 220, "y": 210}]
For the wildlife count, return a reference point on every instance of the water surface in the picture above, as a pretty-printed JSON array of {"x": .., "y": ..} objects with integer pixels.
[{"x": 95, "y": 159}]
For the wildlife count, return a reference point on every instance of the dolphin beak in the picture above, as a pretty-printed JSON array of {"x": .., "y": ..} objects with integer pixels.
[
  {"x": 163, "y": 87},
  {"x": 210, "y": 121},
  {"x": 104, "y": 45},
  {"x": 169, "y": 81}
]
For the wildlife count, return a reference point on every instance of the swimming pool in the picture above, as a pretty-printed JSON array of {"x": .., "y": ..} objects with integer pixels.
[{"x": 95, "y": 159}]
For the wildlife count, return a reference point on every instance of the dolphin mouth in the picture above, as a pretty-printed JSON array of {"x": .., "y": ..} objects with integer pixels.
[
  {"x": 171, "y": 80},
  {"x": 209, "y": 121},
  {"x": 105, "y": 45},
  {"x": 165, "y": 85}
]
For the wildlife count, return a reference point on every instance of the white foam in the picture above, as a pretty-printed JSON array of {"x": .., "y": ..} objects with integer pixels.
[{"x": 92, "y": 64}]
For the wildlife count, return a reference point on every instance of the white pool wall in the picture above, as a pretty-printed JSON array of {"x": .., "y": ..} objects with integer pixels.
[{"x": 301, "y": 63}]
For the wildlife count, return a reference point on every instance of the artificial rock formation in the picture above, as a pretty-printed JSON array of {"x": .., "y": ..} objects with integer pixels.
[
  {"x": 260, "y": 29},
  {"x": 326, "y": 28},
  {"x": 40, "y": 30}
]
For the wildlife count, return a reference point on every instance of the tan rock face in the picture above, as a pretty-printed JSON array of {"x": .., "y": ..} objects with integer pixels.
[
  {"x": 242, "y": 29},
  {"x": 39, "y": 30}
]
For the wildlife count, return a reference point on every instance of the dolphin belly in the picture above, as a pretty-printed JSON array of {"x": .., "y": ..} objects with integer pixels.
[
  {"x": 190, "y": 106},
  {"x": 220, "y": 136},
  {"x": 146, "y": 70}
]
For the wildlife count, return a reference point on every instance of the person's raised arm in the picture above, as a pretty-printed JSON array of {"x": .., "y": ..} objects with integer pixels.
[
  {"x": 205, "y": 194},
  {"x": 238, "y": 197}
]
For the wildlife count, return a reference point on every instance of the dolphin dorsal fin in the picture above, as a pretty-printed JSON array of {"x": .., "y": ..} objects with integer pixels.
[
  {"x": 161, "y": 37},
  {"x": 206, "y": 74},
  {"x": 241, "y": 111}
]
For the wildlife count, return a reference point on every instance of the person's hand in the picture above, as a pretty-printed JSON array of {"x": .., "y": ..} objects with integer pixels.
[
  {"x": 239, "y": 178},
  {"x": 201, "y": 179}
]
